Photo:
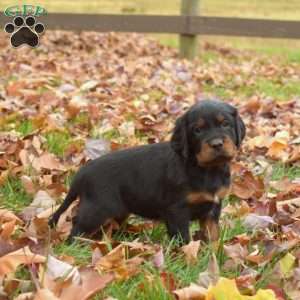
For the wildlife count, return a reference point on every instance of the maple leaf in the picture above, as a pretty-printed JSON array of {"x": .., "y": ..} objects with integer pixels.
[{"x": 10, "y": 261}]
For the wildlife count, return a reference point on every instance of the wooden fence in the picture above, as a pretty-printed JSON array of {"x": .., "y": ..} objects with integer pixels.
[{"x": 188, "y": 25}]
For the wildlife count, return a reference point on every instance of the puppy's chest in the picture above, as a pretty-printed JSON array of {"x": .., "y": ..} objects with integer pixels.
[
  {"x": 208, "y": 186},
  {"x": 195, "y": 197}
]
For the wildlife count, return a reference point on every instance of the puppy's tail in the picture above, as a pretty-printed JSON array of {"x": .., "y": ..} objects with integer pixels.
[{"x": 71, "y": 197}]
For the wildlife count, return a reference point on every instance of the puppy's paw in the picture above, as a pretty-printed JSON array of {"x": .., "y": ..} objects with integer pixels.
[
  {"x": 53, "y": 221},
  {"x": 200, "y": 235}
]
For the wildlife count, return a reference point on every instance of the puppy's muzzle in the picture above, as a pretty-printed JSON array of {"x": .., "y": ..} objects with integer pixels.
[{"x": 216, "y": 144}]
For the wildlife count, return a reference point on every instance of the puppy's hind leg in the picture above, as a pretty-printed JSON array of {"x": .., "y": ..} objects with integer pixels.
[
  {"x": 93, "y": 212},
  {"x": 71, "y": 196}
]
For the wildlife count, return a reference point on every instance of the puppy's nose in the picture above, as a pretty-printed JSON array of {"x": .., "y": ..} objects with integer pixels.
[{"x": 217, "y": 144}]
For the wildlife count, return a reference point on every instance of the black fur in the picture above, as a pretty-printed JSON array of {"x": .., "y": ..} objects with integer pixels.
[{"x": 153, "y": 181}]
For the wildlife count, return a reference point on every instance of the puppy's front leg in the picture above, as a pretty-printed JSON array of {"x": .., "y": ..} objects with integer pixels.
[
  {"x": 177, "y": 222},
  {"x": 210, "y": 225}
]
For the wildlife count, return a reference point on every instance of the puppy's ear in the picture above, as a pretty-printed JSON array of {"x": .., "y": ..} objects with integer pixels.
[
  {"x": 179, "y": 139},
  {"x": 240, "y": 129}
]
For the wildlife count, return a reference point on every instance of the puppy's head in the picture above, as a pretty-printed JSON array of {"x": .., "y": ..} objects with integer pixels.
[{"x": 210, "y": 133}]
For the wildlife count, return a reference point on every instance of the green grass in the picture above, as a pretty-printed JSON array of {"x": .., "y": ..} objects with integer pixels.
[
  {"x": 79, "y": 250},
  {"x": 13, "y": 195},
  {"x": 281, "y": 170},
  {"x": 25, "y": 127},
  {"x": 265, "y": 87},
  {"x": 57, "y": 142}
]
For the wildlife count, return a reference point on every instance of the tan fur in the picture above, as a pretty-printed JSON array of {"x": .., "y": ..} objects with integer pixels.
[
  {"x": 211, "y": 229},
  {"x": 220, "y": 118},
  {"x": 229, "y": 147},
  {"x": 206, "y": 154},
  {"x": 200, "y": 197},
  {"x": 201, "y": 123}
]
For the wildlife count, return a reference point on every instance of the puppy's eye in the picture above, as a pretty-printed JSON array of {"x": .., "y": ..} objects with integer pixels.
[
  {"x": 225, "y": 124},
  {"x": 197, "y": 130}
]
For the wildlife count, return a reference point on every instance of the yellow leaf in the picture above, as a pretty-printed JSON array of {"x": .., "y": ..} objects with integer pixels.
[
  {"x": 226, "y": 289},
  {"x": 286, "y": 264}
]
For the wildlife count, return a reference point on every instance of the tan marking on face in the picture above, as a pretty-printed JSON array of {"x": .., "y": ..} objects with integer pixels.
[
  {"x": 229, "y": 147},
  {"x": 220, "y": 118},
  {"x": 206, "y": 154},
  {"x": 201, "y": 123},
  {"x": 210, "y": 228}
]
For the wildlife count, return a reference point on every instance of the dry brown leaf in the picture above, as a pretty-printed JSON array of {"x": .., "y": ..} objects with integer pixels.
[
  {"x": 28, "y": 185},
  {"x": 41, "y": 202},
  {"x": 191, "y": 251},
  {"x": 277, "y": 150},
  {"x": 45, "y": 294},
  {"x": 7, "y": 216},
  {"x": 112, "y": 260},
  {"x": 192, "y": 292},
  {"x": 246, "y": 186},
  {"x": 91, "y": 283},
  {"x": 115, "y": 261},
  {"x": 10, "y": 261},
  {"x": 57, "y": 269},
  {"x": 236, "y": 252},
  {"x": 47, "y": 161},
  {"x": 7, "y": 229}
]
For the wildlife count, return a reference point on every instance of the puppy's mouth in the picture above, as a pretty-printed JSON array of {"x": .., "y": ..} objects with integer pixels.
[
  {"x": 211, "y": 156},
  {"x": 221, "y": 157}
]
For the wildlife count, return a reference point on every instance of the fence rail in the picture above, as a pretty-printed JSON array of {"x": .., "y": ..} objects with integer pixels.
[{"x": 183, "y": 24}]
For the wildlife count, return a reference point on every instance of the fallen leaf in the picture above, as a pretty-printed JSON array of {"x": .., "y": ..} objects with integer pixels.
[
  {"x": 192, "y": 292},
  {"x": 41, "y": 202},
  {"x": 44, "y": 294},
  {"x": 254, "y": 221},
  {"x": 191, "y": 251},
  {"x": 10, "y": 261},
  {"x": 7, "y": 216},
  {"x": 236, "y": 252},
  {"x": 28, "y": 184},
  {"x": 57, "y": 269},
  {"x": 159, "y": 259},
  {"x": 247, "y": 185},
  {"x": 91, "y": 283},
  {"x": 226, "y": 289},
  {"x": 96, "y": 148},
  {"x": 7, "y": 229},
  {"x": 47, "y": 161},
  {"x": 286, "y": 265}
]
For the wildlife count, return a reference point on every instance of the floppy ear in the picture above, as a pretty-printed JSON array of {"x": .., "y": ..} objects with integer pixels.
[
  {"x": 240, "y": 129},
  {"x": 179, "y": 139}
]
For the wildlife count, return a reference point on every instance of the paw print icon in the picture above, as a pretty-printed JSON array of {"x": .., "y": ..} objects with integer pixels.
[{"x": 24, "y": 31}]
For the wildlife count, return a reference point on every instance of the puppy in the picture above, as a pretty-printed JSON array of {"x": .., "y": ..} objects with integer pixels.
[{"x": 175, "y": 182}]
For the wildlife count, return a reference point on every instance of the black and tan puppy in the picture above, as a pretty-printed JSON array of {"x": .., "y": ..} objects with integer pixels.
[{"x": 176, "y": 182}]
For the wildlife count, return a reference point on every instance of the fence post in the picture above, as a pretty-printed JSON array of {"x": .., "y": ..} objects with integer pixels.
[{"x": 188, "y": 42}]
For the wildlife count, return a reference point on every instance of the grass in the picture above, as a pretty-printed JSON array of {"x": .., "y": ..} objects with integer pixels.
[
  {"x": 57, "y": 142},
  {"x": 267, "y": 88},
  {"x": 25, "y": 127},
  {"x": 13, "y": 195},
  {"x": 81, "y": 252},
  {"x": 281, "y": 170}
]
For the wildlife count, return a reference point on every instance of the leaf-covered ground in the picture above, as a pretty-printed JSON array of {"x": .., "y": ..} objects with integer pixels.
[{"x": 78, "y": 96}]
